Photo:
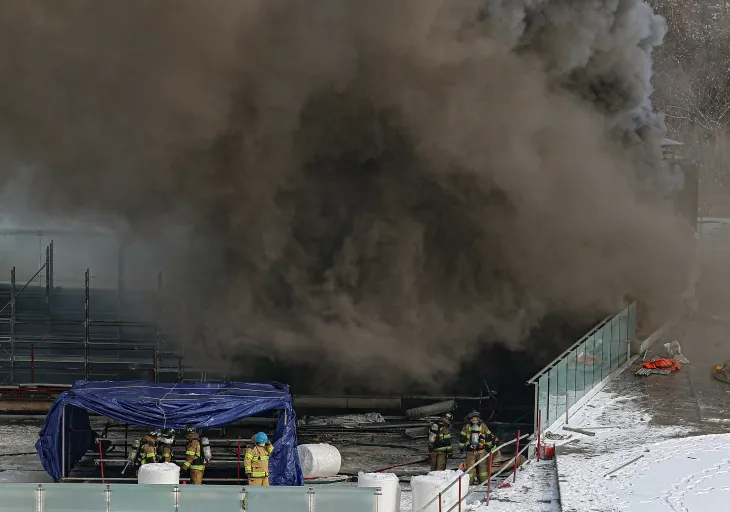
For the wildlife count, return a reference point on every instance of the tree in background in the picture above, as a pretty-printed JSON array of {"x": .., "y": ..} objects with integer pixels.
[{"x": 692, "y": 88}]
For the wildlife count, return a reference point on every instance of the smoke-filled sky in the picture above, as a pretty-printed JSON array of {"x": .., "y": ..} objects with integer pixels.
[{"x": 379, "y": 186}]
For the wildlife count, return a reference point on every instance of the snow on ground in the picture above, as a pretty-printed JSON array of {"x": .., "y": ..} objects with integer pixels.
[
  {"x": 673, "y": 472},
  {"x": 536, "y": 490}
]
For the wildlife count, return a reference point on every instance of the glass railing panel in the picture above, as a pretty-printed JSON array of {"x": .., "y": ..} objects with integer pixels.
[
  {"x": 339, "y": 499},
  {"x": 74, "y": 498},
  {"x": 270, "y": 499},
  {"x": 18, "y": 497},
  {"x": 210, "y": 498}
]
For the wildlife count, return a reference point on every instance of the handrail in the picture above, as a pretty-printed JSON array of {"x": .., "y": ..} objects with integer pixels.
[
  {"x": 466, "y": 471},
  {"x": 587, "y": 335},
  {"x": 473, "y": 489}
]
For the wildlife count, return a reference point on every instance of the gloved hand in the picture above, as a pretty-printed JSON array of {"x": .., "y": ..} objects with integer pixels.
[
  {"x": 248, "y": 476},
  {"x": 449, "y": 455}
]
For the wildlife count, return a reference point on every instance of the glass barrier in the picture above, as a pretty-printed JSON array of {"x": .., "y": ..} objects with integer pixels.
[
  {"x": 339, "y": 499},
  {"x": 586, "y": 364},
  {"x": 18, "y": 497},
  {"x": 67, "y": 497},
  {"x": 261, "y": 499}
]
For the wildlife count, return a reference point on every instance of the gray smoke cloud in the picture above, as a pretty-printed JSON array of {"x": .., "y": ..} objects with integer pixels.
[{"x": 378, "y": 188}]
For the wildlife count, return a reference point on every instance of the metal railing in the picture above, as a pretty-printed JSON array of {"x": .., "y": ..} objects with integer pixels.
[
  {"x": 561, "y": 385},
  {"x": 510, "y": 464},
  {"x": 173, "y": 498}
]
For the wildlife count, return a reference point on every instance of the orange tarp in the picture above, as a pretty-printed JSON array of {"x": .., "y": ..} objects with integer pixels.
[{"x": 662, "y": 364}]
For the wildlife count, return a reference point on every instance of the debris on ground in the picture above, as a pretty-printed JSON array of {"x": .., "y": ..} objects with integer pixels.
[
  {"x": 580, "y": 431},
  {"x": 346, "y": 421},
  {"x": 722, "y": 373},
  {"x": 658, "y": 366},
  {"x": 556, "y": 437},
  {"x": 675, "y": 352}
]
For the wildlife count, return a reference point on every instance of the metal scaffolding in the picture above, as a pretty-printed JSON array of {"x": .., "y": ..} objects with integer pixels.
[{"x": 64, "y": 335}]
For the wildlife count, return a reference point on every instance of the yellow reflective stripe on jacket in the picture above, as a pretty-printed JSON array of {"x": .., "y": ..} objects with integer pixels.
[
  {"x": 191, "y": 452},
  {"x": 259, "y": 474}
]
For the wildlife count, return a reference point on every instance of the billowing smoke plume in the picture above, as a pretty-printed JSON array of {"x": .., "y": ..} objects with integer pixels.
[{"x": 379, "y": 186}]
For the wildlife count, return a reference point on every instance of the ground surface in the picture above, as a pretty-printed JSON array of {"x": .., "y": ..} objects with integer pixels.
[{"x": 674, "y": 429}]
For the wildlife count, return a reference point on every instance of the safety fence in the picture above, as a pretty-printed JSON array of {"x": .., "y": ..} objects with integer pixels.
[
  {"x": 184, "y": 498},
  {"x": 570, "y": 377},
  {"x": 449, "y": 499}
]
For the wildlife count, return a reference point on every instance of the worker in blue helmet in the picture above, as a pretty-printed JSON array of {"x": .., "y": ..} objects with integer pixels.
[{"x": 257, "y": 459}]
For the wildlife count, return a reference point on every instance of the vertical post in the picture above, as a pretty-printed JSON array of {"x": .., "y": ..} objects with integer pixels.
[
  {"x": 441, "y": 503},
  {"x": 63, "y": 442},
  {"x": 39, "y": 498},
  {"x": 108, "y": 498},
  {"x": 120, "y": 290},
  {"x": 243, "y": 496},
  {"x": 310, "y": 500},
  {"x": 537, "y": 405},
  {"x": 378, "y": 494},
  {"x": 158, "y": 315},
  {"x": 48, "y": 277},
  {"x": 539, "y": 427},
  {"x": 101, "y": 460},
  {"x": 238, "y": 466},
  {"x": 50, "y": 263},
  {"x": 86, "y": 325},
  {"x": 176, "y": 496},
  {"x": 489, "y": 476},
  {"x": 32, "y": 363},
  {"x": 12, "y": 325},
  {"x": 460, "y": 476},
  {"x": 567, "y": 395},
  {"x": 517, "y": 458}
]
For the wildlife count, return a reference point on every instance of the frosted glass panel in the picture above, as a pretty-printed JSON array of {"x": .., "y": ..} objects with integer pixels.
[
  {"x": 74, "y": 498},
  {"x": 270, "y": 499},
  {"x": 352, "y": 499},
  {"x": 142, "y": 498},
  {"x": 210, "y": 498},
  {"x": 18, "y": 497}
]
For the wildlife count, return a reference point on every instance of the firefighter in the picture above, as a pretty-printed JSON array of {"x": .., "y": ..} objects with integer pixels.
[
  {"x": 164, "y": 446},
  {"x": 257, "y": 459},
  {"x": 193, "y": 459},
  {"x": 476, "y": 439},
  {"x": 147, "y": 451},
  {"x": 439, "y": 442}
]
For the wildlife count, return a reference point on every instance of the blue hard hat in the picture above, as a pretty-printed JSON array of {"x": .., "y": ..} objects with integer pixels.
[{"x": 261, "y": 438}]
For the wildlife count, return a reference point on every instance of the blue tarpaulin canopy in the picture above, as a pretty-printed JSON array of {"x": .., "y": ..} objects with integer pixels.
[{"x": 148, "y": 404}]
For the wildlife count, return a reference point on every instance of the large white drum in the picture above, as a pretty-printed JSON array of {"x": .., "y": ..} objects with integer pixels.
[
  {"x": 389, "y": 501},
  {"x": 427, "y": 487},
  {"x": 159, "y": 473},
  {"x": 319, "y": 460}
]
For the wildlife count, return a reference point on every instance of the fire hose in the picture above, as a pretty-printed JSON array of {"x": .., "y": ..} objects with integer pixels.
[{"x": 419, "y": 461}]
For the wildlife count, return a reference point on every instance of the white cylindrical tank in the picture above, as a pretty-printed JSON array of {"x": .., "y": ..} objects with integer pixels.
[
  {"x": 427, "y": 487},
  {"x": 389, "y": 500},
  {"x": 319, "y": 460},
  {"x": 159, "y": 473}
]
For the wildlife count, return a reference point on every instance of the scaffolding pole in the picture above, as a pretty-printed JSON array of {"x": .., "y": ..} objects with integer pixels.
[
  {"x": 158, "y": 314},
  {"x": 12, "y": 325},
  {"x": 86, "y": 325}
]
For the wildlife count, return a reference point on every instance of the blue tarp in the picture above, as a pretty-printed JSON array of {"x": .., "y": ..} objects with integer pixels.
[{"x": 149, "y": 404}]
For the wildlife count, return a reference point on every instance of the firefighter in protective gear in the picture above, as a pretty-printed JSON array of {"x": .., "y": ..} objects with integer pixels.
[
  {"x": 439, "y": 442},
  {"x": 164, "y": 446},
  {"x": 148, "y": 448},
  {"x": 477, "y": 440},
  {"x": 193, "y": 460},
  {"x": 257, "y": 459}
]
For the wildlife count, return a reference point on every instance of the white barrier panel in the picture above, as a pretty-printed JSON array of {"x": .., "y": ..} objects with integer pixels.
[
  {"x": 162, "y": 473},
  {"x": 427, "y": 487},
  {"x": 389, "y": 501},
  {"x": 319, "y": 460}
]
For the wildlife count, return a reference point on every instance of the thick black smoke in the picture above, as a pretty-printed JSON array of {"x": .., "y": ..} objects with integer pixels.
[{"x": 378, "y": 186}]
